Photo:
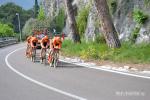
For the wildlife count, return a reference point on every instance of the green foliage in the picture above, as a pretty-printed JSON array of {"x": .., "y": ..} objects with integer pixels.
[
  {"x": 139, "y": 16},
  {"x": 36, "y": 9},
  {"x": 128, "y": 53},
  {"x": 41, "y": 15},
  {"x": 59, "y": 21},
  {"x": 8, "y": 15},
  {"x": 6, "y": 30},
  {"x": 35, "y": 24},
  {"x": 100, "y": 38},
  {"x": 27, "y": 29},
  {"x": 134, "y": 34},
  {"x": 82, "y": 19},
  {"x": 90, "y": 52}
]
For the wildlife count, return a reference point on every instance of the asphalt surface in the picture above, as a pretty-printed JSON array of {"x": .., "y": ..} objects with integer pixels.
[{"x": 41, "y": 82}]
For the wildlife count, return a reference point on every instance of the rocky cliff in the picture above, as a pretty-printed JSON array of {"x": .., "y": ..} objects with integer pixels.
[{"x": 122, "y": 14}]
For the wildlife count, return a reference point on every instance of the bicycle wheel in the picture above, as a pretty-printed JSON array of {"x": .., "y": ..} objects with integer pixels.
[
  {"x": 52, "y": 63},
  {"x": 55, "y": 59},
  {"x": 50, "y": 58},
  {"x": 33, "y": 54},
  {"x": 43, "y": 55},
  {"x": 28, "y": 51}
]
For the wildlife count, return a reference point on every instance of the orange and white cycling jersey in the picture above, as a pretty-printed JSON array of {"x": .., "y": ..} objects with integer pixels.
[
  {"x": 33, "y": 41},
  {"x": 28, "y": 39},
  {"x": 44, "y": 42},
  {"x": 57, "y": 42}
]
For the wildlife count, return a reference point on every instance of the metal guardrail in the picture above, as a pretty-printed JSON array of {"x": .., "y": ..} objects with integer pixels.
[{"x": 7, "y": 41}]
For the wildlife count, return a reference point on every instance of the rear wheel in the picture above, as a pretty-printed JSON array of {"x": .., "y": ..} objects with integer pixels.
[
  {"x": 43, "y": 55},
  {"x": 33, "y": 57},
  {"x": 56, "y": 59},
  {"x": 28, "y": 51}
]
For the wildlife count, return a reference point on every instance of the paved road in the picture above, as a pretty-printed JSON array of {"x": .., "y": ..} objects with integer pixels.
[{"x": 35, "y": 81}]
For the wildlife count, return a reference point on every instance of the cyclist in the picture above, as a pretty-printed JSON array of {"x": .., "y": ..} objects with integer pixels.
[
  {"x": 28, "y": 45},
  {"x": 55, "y": 43},
  {"x": 44, "y": 42},
  {"x": 33, "y": 41},
  {"x": 44, "y": 45}
]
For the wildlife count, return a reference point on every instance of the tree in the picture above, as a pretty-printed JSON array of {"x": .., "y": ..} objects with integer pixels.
[
  {"x": 41, "y": 15},
  {"x": 6, "y": 30},
  {"x": 72, "y": 21},
  {"x": 82, "y": 19},
  {"x": 8, "y": 15},
  {"x": 107, "y": 25},
  {"x": 58, "y": 21},
  {"x": 28, "y": 27},
  {"x": 36, "y": 9}
]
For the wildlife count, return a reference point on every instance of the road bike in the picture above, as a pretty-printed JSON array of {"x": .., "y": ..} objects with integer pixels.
[
  {"x": 33, "y": 53},
  {"x": 28, "y": 49},
  {"x": 53, "y": 57},
  {"x": 43, "y": 55}
]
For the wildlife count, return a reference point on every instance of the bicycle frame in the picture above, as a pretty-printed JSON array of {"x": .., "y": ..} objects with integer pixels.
[
  {"x": 54, "y": 57},
  {"x": 43, "y": 55},
  {"x": 33, "y": 54}
]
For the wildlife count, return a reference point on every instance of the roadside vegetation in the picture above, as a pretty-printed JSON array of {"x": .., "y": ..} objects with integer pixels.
[
  {"x": 6, "y": 30},
  {"x": 103, "y": 48},
  {"x": 128, "y": 53}
]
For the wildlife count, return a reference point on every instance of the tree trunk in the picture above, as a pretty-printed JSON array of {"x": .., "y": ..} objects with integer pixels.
[
  {"x": 107, "y": 25},
  {"x": 72, "y": 22}
]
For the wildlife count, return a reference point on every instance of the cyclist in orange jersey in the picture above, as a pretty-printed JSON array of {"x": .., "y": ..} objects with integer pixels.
[
  {"x": 33, "y": 41},
  {"x": 57, "y": 42},
  {"x": 28, "y": 45},
  {"x": 44, "y": 42}
]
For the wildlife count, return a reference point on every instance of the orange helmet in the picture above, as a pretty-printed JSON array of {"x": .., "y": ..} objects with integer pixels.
[
  {"x": 34, "y": 39},
  {"x": 46, "y": 37}
]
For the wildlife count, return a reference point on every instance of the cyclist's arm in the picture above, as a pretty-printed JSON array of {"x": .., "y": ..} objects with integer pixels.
[{"x": 41, "y": 42}]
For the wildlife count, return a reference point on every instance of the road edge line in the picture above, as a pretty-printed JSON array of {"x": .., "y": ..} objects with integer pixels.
[
  {"x": 109, "y": 70},
  {"x": 37, "y": 82}
]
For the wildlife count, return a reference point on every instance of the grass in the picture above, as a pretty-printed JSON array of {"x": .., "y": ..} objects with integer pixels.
[{"x": 128, "y": 53}]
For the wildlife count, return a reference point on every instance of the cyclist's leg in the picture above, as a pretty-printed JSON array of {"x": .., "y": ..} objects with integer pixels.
[{"x": 27, "y": 50}]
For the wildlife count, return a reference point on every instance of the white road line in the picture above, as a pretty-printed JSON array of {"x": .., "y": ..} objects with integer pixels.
[
  {"x": 108, "y": 70},
  {"x": 37, "y": 82}
]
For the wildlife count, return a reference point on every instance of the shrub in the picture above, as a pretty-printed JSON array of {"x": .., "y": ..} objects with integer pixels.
[
  {"x": 6, "y": 30},
  {"x": 128, "y": 53},
  {"x": 100, "y": 38},
  {"x": 90, "y": 52},
  {"x": 134, "y": 34},
  {"x": 139, "y": 16},
  {"x": 41, "y": 15}
]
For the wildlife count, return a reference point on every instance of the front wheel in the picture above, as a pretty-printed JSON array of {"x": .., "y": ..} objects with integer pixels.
[
  {"x": 43, "y": 55},
  {"x": 56, "y": 59},
  {"x": 55, "y": 63},
  {"x": 33, "y": 55}
]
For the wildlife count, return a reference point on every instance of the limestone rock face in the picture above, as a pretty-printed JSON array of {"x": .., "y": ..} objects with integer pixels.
[
  {"x": 51, "y": 7},
  {"x": 125, "y": 23},
  {"x": 122, "y": 18},
  {"x": 90, "y": 29}
]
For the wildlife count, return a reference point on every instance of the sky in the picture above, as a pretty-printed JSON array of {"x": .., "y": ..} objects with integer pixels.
[{"x": 26, "y": 4}]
